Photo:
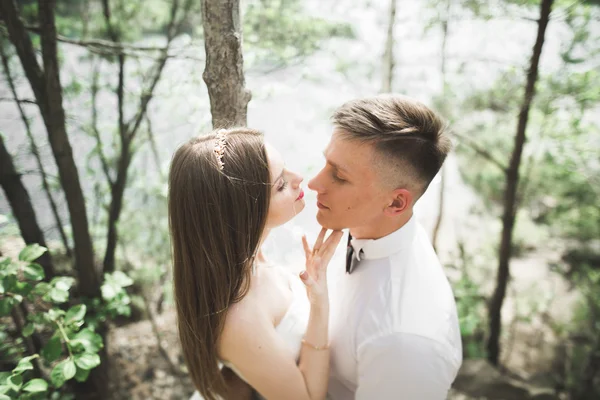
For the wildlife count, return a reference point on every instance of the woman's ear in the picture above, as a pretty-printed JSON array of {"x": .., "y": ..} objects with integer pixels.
[{"x": 401, "y": 201}]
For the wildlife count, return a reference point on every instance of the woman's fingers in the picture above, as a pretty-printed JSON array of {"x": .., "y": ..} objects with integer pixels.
[
  {"x": 334, "y": 239},
  {"x": 306, "y": 279},
  {"x": 307, "y": 250},
  {"x": 331, "y": 244},
  {"x": 319, "y": 241}
]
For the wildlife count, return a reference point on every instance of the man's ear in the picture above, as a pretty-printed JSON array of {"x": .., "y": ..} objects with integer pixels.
[{"x": 402, "y": 200}]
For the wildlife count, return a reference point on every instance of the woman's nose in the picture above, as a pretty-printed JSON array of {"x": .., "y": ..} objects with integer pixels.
[{"x": 297, "y": 179}]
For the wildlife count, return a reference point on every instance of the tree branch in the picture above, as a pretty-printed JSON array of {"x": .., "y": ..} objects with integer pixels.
[
  {"x": 95, "y": 130},
  {"x": 482, "y": 152},
  {"x": 18, "y": 36},
  {"x": 19, "y": 101}
]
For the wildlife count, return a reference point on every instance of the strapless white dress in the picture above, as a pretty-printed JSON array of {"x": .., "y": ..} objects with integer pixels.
[{"x": 291, "y": 328}]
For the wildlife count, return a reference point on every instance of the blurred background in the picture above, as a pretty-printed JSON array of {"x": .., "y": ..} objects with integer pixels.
[{"x": 513, "y": 214}]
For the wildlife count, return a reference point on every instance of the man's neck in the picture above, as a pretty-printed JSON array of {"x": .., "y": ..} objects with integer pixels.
[{"x": 381, "y": 228}]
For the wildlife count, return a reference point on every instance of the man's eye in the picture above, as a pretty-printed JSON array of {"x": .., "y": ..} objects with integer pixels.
[{"x": 338, "y": 179}]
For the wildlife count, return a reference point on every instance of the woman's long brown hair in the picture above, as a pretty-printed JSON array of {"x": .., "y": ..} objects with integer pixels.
[{"x": 216, "y": 218}]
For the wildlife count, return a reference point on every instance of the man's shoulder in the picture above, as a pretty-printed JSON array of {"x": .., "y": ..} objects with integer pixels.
[{"x": 414, "y": 299}]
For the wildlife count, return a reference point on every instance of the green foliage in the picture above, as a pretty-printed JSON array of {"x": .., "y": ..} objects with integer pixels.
[
  {"x": 583, "y": 334},
  {"x": 278, "y": 31},
  {"x": 71, "y": 351},
  {"x": 131, "y": 18},
  {"x": 471, "y": 307}
]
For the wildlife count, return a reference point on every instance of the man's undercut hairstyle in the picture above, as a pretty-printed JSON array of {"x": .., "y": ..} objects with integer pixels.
[{"x": 409, "y": 139}]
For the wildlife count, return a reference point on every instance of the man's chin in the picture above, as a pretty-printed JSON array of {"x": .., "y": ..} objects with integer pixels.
[{"x": 327, "y": 222}]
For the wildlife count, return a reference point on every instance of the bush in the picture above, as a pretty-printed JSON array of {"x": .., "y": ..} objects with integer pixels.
[{"x": 45, "y": 309}]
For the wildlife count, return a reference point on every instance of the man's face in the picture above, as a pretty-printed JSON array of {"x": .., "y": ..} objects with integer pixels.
[{"x": 349, "y": 192}]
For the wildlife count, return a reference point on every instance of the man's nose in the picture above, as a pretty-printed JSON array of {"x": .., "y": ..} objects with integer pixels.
[{"x": 315, "y": 184}]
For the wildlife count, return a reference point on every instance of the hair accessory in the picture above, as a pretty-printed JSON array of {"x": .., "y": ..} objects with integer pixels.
[
  {"x": 215, "y": 313},
  {"x": 220, "y": 144}
]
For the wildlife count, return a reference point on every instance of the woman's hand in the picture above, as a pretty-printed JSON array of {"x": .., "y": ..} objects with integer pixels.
[{"x": 317, "y": 260}]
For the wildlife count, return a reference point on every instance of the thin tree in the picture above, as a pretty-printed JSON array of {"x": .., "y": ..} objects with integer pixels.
[
  {"x": 46, "y": 86},
  {"x": 388, "y": 54},
  {"x": 45, "y": 83},
  {"x": 22, "y": 208},
  {"x": 510, "y": 192},
  {"x": 128, "y": 130},
  {"x": 224, "y": 72}
]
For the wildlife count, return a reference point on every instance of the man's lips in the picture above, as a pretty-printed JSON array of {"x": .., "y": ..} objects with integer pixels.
[
  {"x": 321, "y": 206},
  {"x": 301, "y": 195}
]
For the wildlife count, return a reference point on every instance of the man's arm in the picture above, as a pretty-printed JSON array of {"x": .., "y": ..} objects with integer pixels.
[{"x": 404, "y": 366}]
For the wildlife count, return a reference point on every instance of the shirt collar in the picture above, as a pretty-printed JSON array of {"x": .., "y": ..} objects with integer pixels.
[{"x": 371, "y": 249}]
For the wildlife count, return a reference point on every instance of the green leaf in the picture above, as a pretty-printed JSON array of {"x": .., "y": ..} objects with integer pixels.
[
  {"x": 4, "y": 389},
  {"x": 69, "y": 369},
  {"x": 28, "y": 330},
  {"x": 91, "y": 341},
  {"x": 121, "y": 279},
  {"x": 32, "y": 252},
  {"x": 109, "y": 291},
  {"x": 10, "y": 282},
  {"x": 82, "y": 374},
  {"x": 6, "y": 305},
  {"x": 4, "y": 375},
  {"x": 15, "y": 381},
  {"x": 33, "y": 272},
  {"x": 75, "y": 313},
  {"x": 53, "y": 349},
  {"x": 40, "y": 289},
  {"x": 58, "y": 295},
  {"x": 24, "y": 364},
  {"x": 63, "y": 282},
  {"x": 4, "y": 397},
  {"x": 22, "y": 367},
  {"x": 35, "y": 386},
  {"x": 23, "y": 288},
  {"x": 57, "y": 376},
  {"x": 87, "y": 361}
]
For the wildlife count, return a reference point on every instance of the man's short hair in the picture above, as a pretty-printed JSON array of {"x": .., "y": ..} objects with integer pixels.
[{"x": 409, "y": 139}]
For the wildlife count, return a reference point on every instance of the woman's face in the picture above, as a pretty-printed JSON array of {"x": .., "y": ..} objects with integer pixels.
[{"x": 287, "y": 197}]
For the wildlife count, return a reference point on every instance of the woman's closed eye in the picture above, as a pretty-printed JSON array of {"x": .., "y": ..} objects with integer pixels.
[{"x": 282, "y": 186}]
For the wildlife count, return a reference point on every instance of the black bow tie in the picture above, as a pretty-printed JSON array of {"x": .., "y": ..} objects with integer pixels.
[{"x": 351, "y": 261}]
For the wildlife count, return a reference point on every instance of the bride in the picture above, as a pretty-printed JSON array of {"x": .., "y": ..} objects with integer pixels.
[{"x": 227, "y": 191}]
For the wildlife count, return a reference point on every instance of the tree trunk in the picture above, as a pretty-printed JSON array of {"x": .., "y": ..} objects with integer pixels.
[
  {"x": 388, "y": 55},
  {"x": 510, "y": 192},
  {"x": 438, "y": 222},
  {"x": 22, "y": 209},
  {"x": 224, "y": 72},
  {"x": 36, "y": 154}
]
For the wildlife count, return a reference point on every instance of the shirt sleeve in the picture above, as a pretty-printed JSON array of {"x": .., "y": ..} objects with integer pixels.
[{"x": 404, "y": 366}]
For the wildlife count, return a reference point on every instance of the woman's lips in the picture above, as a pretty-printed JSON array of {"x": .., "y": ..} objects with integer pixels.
[{"x": 301, "y": 195}]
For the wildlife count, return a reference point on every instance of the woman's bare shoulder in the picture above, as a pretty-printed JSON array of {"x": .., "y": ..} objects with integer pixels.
[{"x": 244, "y": 319}]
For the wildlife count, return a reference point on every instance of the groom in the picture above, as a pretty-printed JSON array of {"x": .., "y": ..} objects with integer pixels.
[{"x": 394, "y": 330}]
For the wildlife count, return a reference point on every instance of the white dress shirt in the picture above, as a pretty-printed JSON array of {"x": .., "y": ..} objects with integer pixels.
[{"x": 394, "y": 329}]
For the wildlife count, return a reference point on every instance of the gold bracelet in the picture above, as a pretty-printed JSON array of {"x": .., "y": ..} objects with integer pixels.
[{"x": 326, "y": 347}]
